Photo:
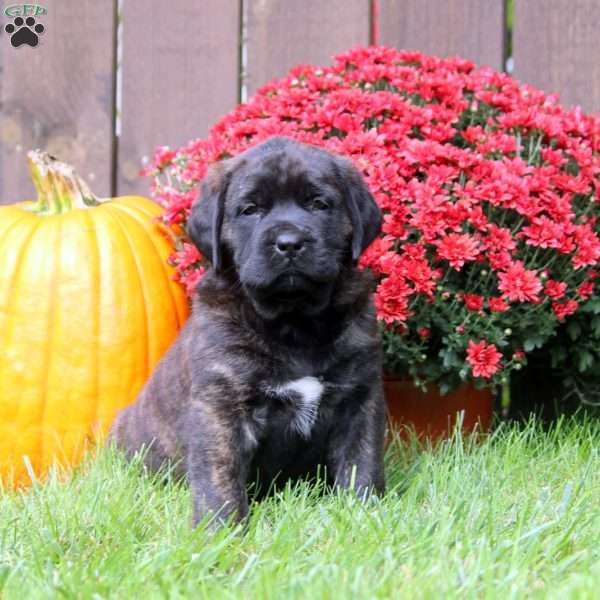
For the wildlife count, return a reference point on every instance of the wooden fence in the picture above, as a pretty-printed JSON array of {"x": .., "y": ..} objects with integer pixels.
[{"x": 111, "y": 79}]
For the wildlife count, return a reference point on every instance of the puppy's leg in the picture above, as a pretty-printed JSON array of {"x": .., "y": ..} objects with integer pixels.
[
  {"x": 218, "y": 459},
  {"x": 355, "y": 456}
]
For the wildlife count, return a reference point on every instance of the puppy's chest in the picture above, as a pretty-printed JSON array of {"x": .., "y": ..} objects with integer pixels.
[
  {"x": 292, "y": 407},
  {"x": 296, "y": 403}
]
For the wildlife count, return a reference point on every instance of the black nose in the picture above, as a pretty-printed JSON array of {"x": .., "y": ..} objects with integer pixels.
[{"x": 289, "y": 243}]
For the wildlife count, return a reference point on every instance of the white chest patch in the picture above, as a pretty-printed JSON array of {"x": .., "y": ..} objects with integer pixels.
[{"x": 305, "y": 395}]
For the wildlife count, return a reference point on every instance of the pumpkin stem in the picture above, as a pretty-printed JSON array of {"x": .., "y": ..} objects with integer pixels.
[{"x": 58, "y": 186}]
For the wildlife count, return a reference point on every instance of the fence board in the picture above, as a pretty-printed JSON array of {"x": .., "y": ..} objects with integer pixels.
[
  {"x": 281, "y": 34},
  {"x": 58, "y": 96},
  {"x": 473, "y": 29},
  {"x": 180, "y": 72},
  {"x": 556, "y": 48}
]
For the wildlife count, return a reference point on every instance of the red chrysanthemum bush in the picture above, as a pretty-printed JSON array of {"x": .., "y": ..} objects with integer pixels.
[{"x": 489, "y": 192}]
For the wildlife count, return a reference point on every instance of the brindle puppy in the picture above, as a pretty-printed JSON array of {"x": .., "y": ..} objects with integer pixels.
[{"x": 278, "y": 370}]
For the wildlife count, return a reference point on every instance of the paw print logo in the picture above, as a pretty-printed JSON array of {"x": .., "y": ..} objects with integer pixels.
[{"x": 24, "y": 31}]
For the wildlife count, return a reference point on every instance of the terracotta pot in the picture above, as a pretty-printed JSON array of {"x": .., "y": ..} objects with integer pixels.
[{"x": 433, "y": 415}]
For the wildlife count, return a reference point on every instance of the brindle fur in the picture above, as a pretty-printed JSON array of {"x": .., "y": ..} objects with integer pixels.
[{"x": 207, "y": 407}]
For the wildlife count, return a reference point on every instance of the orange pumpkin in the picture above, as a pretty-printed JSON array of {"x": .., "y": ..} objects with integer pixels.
[{"x": 88, "y": 305}]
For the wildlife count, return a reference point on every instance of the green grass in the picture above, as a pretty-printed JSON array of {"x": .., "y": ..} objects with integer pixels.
[{"x": 515, "y": 515}]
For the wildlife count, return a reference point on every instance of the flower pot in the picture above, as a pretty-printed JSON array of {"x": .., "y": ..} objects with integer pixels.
[{"x": 433, "y": 415}]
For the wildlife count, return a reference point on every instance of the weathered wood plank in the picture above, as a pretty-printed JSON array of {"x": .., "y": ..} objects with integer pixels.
[
  {"x": 281, "y": 34},
  {"x": 472, "y": 29},
  {"x": 58, "y": 96},
  {"x": 180, "y": 72},
  {"x": 556, "y": 47}
]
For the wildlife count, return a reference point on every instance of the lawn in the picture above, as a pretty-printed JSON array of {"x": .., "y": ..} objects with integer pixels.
[{"x": 514, "y": 515}]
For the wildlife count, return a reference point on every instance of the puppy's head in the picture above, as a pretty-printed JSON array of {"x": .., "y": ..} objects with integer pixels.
[{"x": 286, "y": 218}]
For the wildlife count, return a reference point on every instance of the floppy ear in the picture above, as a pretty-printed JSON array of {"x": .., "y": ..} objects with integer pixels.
[
  {"x": 365, "y": 215},
  {"x": 204, "y": 225}
]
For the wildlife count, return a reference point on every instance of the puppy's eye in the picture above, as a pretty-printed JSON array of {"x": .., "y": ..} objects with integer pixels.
[
  {"x": 248, "y": 209},
  {"x": 319, "y": 204}
]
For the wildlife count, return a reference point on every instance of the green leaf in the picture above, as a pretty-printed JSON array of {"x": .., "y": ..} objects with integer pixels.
[
  {"x": 450, "y": 358},
  {"x": 573, "y": 329},
  {"x": 595, "y": 324},
  {"x": 592, "y": 306},
  {"x": 585, "y": 360},
  {"x": 535, "y": 341},
  {"x": 558, "y": 355}
]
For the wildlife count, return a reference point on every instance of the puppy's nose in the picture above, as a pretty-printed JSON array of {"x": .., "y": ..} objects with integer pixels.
[{"x": 289, "y": 243}]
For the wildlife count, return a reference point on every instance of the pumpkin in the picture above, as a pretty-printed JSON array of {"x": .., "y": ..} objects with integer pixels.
[{"x": 88, "y": 305}]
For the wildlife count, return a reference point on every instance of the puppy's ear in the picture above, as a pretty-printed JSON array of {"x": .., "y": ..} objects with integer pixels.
[
  {"x": 365, "y": 215},
  {"x": 205, "y": 223}
]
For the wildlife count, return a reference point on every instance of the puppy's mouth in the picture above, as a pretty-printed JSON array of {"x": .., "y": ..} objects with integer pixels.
[
  {"x": 290, "y": 294},
  {"x": 288, "y": 288}
]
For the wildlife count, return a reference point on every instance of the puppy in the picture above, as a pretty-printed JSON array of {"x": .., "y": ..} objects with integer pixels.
[{"x": 277, "y": 373}]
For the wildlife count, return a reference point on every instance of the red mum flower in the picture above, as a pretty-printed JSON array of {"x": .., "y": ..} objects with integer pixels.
[
  {"x": 163, "y": 155},
  {"x": 484, "y": 359},
  {"x": 457, "y": 249},
  {"x": 544, "y": 233},
  {"x": 187, "y": 257},
  {"x": 588, "y": 247},
  {"x": 555, "y": 289},
  {"x": 499, "y": 238},
  {"x": 519, "y": 284},
  {"x": 372, "y": 255},
  {"x": 391, "y": 300},
  {"x": 473, "y": 302},
  {"x": 585, "y": 290},
  {"x": 192, "y": 278},
  {"x": 564, "y": 309},
  {"x": 498, "y": 305}
]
